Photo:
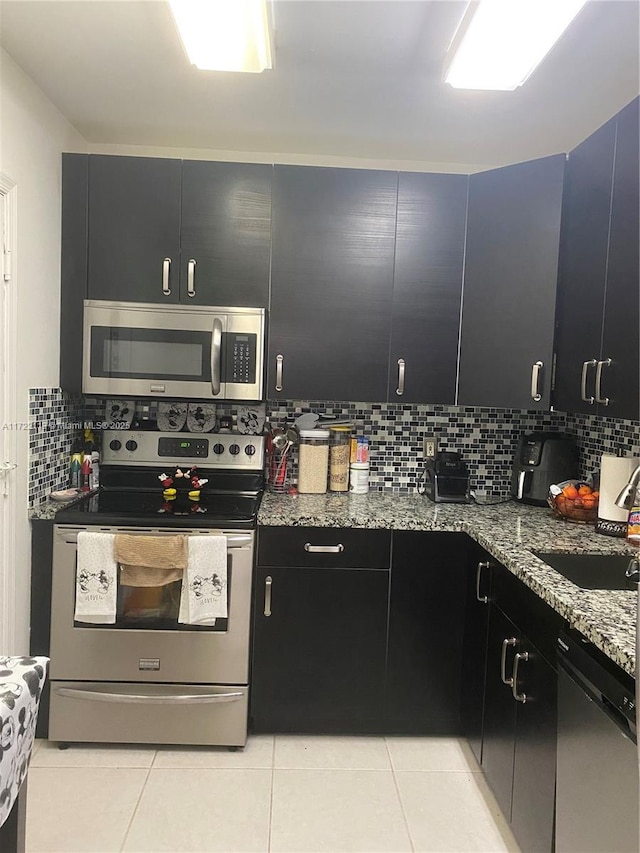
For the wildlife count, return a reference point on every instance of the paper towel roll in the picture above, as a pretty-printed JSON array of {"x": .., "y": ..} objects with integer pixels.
[{"x": 614, "y": 476}]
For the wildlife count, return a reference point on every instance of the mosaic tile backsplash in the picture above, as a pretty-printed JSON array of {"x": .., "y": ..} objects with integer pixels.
[{"x": 487, "y": 438}]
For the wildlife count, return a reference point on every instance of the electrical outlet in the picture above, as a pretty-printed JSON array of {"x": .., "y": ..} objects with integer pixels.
[{"x": 429, "y": 446}]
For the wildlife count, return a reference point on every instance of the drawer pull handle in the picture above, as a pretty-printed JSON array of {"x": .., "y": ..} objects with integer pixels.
[
  {"x": 483, "y": 599},
  {"x": 166, "y": 269},
  {"x": 323, "y": 549},
  {"x": 191, "y": 275},
  {"x": 511, "y": 641},
  {"x": 267, "y": 595},
  {"x": 519, "y": 697}
]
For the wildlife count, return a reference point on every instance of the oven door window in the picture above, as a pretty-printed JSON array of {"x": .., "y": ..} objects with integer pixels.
[
  {"x": 156, "y": 608},
  {"x": 130, "y": 353}
]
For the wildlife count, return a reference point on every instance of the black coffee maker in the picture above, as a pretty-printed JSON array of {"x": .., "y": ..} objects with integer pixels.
[
  {"x": 447, "y": 478},
  {"x": 542, "y": 458}
]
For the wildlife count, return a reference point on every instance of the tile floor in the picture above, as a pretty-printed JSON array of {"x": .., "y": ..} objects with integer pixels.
[{"x": 282, "y": 793}]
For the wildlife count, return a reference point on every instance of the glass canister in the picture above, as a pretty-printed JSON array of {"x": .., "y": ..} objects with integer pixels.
[
  {"x": 313, "y": 461},
  {"x": 339, "y": 453}
]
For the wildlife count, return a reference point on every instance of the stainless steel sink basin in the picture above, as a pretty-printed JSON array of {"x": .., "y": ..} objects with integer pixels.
[{"x": 594, "y": 571}]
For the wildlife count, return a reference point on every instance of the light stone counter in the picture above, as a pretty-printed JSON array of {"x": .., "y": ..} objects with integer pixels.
[{"x": 509, "y": 531}]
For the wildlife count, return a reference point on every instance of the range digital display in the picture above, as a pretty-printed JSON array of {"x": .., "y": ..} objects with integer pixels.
[{"x": 191, "y": 448}]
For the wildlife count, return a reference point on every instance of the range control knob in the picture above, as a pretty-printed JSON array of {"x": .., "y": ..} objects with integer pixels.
[
  {"x": 115, "y": 444},
  {"x": 218, "y": 448},
  {"x": 250, "y": 449},
  {"x": 234, "y": 449},
  {"x": 131, "y": 444}
]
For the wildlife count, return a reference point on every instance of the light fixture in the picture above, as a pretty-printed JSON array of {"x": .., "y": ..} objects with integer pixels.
[
  {"x": 224, "y": 35},
  {"x": 500, "y": 42}
]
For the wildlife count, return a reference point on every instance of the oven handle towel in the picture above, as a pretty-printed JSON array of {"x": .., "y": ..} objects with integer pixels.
[
  {"x": 96, "y": 578},
  {"x": 204, "y": 584},
  {"x": 150, "y": 561}
]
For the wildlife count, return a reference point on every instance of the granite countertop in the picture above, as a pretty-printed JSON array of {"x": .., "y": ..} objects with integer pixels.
[
  {"x": 47, "y": 509},
  {"x": 509, "y": 531}
]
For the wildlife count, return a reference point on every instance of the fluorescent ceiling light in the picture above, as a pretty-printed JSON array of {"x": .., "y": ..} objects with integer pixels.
[
  {"x": 224, "y": 35},
  {"x": 500, "y": 42}
]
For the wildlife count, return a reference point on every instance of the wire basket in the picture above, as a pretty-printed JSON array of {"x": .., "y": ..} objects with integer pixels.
[{"x": 575, "y": 506}]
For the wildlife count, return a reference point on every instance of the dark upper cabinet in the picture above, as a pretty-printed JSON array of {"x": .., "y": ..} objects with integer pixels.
[
  {"x": 179, "y": 231},
  {"x": 427, "y": 287},
  {"x": 331, "y": 283},
  {"x": 599, "y": 288},
  {"x": 511, "y": 270},
  {"x": 134, "y": 229},
  {"x": 226, "y": 233}
]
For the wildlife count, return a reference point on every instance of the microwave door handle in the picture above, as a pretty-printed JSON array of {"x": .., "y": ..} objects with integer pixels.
[{"x": 216, "y": 349}]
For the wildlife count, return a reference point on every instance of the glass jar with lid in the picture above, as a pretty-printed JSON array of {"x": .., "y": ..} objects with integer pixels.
[
  {"x": 313, "y": 461},
  {"x": 339, "y": 454}
]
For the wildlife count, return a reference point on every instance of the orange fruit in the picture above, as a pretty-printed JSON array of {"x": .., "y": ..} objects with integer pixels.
[
  {"x": 596, "y": 495},
  {"x": 585, "y": 490},
  {"x": 570, "y": 492},
  {"x": 588, "y": 502}
]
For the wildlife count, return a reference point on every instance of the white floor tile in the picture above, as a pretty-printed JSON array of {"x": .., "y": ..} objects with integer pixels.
[
  {"x": 448, "y": 754},
  {"x": 336, "y": 811},
  {"x": 202, "y": 810},
  {"x": 452, "y": 812},
  {"x": 301, "y": 752},
  {"x": 93, "y": 755},
  {"x": 258, "y": 753},
  {"x": 80, "y": 809}
]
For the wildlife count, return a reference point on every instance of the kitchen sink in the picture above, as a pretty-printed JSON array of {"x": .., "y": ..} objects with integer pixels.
[{"x": 593, "y": 571}]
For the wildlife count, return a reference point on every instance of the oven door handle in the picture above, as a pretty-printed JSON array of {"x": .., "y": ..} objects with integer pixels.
[
  {"x": 239, "y": 541},
  {"x": 155, "y": 699}
]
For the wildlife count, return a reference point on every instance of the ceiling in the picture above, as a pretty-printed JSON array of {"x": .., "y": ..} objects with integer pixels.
[{"x": 352, "y": 78}]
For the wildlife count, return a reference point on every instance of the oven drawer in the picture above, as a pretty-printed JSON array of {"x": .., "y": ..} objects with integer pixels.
[
  {"x": 89, "y": 711},
  {"x": 328, "y": 547}
]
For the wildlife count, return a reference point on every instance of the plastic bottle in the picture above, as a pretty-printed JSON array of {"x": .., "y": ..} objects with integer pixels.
[
  {"x": 633, "y": 522},
  {"x": 95, "y": 469},
  {"x": 75, "y": 470}
]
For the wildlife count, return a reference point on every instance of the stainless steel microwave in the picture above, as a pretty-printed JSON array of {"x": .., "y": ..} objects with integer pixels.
[{"x": 133, "y": 349}]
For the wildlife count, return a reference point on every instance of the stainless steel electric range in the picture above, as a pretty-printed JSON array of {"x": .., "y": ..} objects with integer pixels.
[{"x": 146, "y": 677}]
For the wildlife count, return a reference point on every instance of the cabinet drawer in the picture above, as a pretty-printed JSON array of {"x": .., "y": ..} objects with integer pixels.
[{"x": 330, "y": 547}]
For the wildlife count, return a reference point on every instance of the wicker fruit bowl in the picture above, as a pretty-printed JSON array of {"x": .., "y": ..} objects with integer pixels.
[{"x": 574, "y": 500}]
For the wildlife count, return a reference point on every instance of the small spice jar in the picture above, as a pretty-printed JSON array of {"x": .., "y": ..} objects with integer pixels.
[
  {"x": 313, "y": 461},
  {"x": 339, "y": 452}
]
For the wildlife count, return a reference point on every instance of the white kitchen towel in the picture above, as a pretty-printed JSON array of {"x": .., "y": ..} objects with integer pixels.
[
  {"x": 204, "y": 584},
  {"x": 96, "y": 578}
]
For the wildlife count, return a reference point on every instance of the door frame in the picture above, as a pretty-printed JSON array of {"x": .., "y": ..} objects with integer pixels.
[{"x": 8, "y": 403}]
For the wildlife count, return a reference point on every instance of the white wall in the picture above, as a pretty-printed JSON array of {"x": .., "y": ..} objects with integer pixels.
[{"x": 33, "y": 133}]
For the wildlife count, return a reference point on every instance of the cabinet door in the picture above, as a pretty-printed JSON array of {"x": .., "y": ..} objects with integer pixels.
[
  {"x": 319, "y": 650},
  {"x": 510, "y": 282},
  {"x": 499, "y": 710},
  {"x": 621, "y": 379},
  {"x": 474, "y": 655},
  {"x": 427, "y": 287},
  {"x": 426, "y": 625},
  {"x": 226, "y": 233},
  {"x": 331, "y": 283},
  {"x": 583, "y": 265},
  {"x": 534, "y": 768},
  {"x": 134, "y": 225}
]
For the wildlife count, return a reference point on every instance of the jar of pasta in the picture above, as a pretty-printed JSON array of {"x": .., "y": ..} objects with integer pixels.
[
  {"x": 339, "y": 454},
  {"x": 313, "y": 461}
]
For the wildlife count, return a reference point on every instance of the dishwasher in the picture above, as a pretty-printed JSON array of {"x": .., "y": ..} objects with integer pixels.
[{"x": 597, "y": 773}]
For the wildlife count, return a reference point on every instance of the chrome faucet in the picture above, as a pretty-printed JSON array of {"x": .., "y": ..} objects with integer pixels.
[{"x": 627, "y": 496}]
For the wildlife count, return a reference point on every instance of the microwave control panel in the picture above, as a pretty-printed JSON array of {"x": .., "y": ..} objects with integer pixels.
[{"x": 241, "y": 358}]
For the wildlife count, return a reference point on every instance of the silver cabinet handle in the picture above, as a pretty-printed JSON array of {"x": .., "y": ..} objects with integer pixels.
[
  {"x": 521, "y": 478},
  {"x": 519, "y": 697},
  {"x": 400, "y": 388},
  {"x": 151, "y": 699},
  {"x": 511, "y": 641},
  {"x": 606, "y": 362},
  {"x": 279, "y": 363},
  {"x": 583, "y": 382},
  {"x": 216, "y": 348},
  {"x": 535, "y": 381},
  {"x": 483, "y": 599},
  {"x": 268, "y": 581},
  {"x": 191, "y": 273},
  {"x": 323, "y": 549},
  {"x": 166, "y": 269}
]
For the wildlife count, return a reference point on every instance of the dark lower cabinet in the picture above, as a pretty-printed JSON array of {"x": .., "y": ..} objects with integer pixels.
[
  {"x": 319, "y": 649},
  {"x": 426, "y": 627},
  {"x": 519, "y": 732}
]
